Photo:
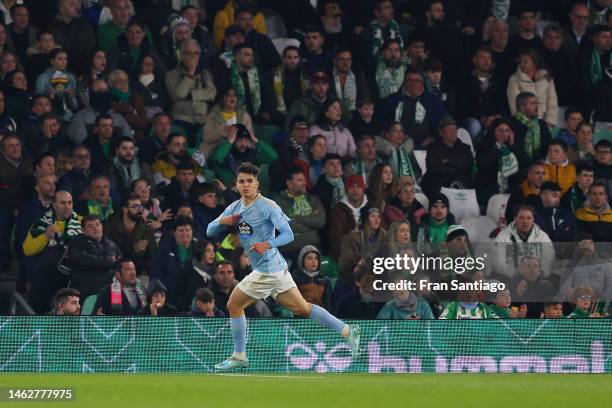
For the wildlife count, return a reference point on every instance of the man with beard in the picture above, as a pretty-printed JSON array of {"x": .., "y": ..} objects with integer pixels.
[
  {"x": 314, "y": 56},
  {"x": 125, "y": 296},
  {"x": 135, "y": 239},
  {"x": 240, "y": 146},
  {"x": 66, "y": 302},
  {"x": 289, "y": 79},
  {"x": 164, "y": 167},
  {"x": 127, "y": 168},
  {"x": 349, "y": 84},
  {"x": 99, "y": 102},
  {"x": 389, "y": 74},
  {"x": 181, "y": 189},
  {"x": 222, "y": 58},
  {"x": 48, "y": 237}
]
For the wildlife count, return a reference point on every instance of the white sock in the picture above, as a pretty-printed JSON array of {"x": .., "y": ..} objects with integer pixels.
[
  {"x": 239, "y": 355},
  {"x": 346, "y": 330}
]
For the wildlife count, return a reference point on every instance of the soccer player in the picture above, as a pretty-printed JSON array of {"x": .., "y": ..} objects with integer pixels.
[{"x": 257, "y": 217}]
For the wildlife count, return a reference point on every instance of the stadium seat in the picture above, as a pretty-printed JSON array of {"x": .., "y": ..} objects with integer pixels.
[
  {"x": 329, "y": 267},
  {"x": 422, "y": 199},
  {"x": 88, "y": 305},
  {"x": 495, "y": 204},
  {"x": 267, "y": 133},
  {"x": 561, "y": 117},
  {"x": 275, "y": 26},
  {"x": 478, "y": 227},
  {"x": 465, "y": 137},
  {"x": 420, "y": 158},
  {"x": 281, "y": 43}
]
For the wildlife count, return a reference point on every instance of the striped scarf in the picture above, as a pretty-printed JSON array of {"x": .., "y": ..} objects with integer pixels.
[
  {"x": 128, "y": 173},
  {"x": 338, "y": 185},
  {"x": 596, "y": 68},
  {"x": 103, "y": 213},
  {"x": 377, "y": 35},
  {"x": 532, "y": 138},
  {"x": 254, "y": 87},
  {"x": 348, "y": 95},
  {"x": 71, "y": 229},
  {"x": 389, "y": 80}
]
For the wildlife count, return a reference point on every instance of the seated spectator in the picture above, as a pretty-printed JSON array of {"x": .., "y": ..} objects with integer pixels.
[
  {"x": 349, "y": 82},
  {"x": 583, "y": 149},
  {"x": 595, "y": 217},
  {"x": 59, "y": 84},
  {"x": 97, "y": 68},
  {"x": 8, "y": 63},
  {"x": 152, "y": 87},
  {"x": 562, "y": 65},
  {"x": 289, "y": 80},
  {"x": 583, "y": 298},
  {"x": 305, "y": 210},
  {"x": 99, "y": 203},
  {"x": 127, "y": 167},
  {"x": 430, "y": 233},
  {"x": 345, "y": 215},
  {"x": 404, "y": 206},
  {"x": 531, "y": 135},
  {"x": 314, "y": 287},
  {"x": 329, "y": 124},
  {"x": 151, "y": 212},
  {"x": 315, "y": 55},
  {"x": 363, "y": 122},
  {"x": 527, "y": 37},
  {"x": 102, "y": 143},
  {"x": 49, "y": 138},
  {"x": 205, "y": 207},
  {"x": 366, "y": 160},
  {"x": 125, "y": 296},
  {"x": 205, "y": 305},
  {"x": 396, "y": 148},
  {"x": 100, "y": 101},
  {"x": 66, "y": 302},
  {"x": 406, "y": 305},
  {"x": 7, "y": 122},
  {"x": 31, "y": 123},
  {"x": 573, "y": 118},
  {"x": 553, "y": 309},
  {"x": 317, "y": 150},
  {"x": 221, "y": 120},
  {"x": 390, "y": 69},
  {"x": 449, "y": 161},
  {"x": 383, "y": 186},
  {"x": 44, "y": 164},
  {"x": 178, "y": 30},
  {"x": 156, "y": 299},
  {"x": 417, "y": 110},
  {"x": 527, "y": 191},
  {"x": 224, "y": 282},
  {"x": 495, "y": 160},
  {"x": 38, "y": 54},
  {"x": 602, "y": 165},
  {"x": 135, "y": 239},
  {"x": 556, "y": 221},
  {"x": 92, "y": 257},
  {"x": 204, "y": 258},
  {"x": 165, "y": 165},
  {"x": 522, "y": 237},
  {"x": 49, "y": 236},
  {"x": 359, "y": 304},
  {"x": 191, "y": 89},
  {"x": 436, "y": 85},
  {"x": 361, "y": 242},
  {"x": 128, "y": 103},
  {"x": 156, "y": 142},
  {"x": 577, "y": 194},
  {"x": 309, "y": 105},
  {"x": 181, "y": 189},
  {"x": 501, "y": 305},
  {"x": 558, "y": 168},
  {"x": 467, "y": 306},
  {"x": 225, "y": 18},
  {"x": 109, "y": 32},
  {"x": 456, "y": 246}
]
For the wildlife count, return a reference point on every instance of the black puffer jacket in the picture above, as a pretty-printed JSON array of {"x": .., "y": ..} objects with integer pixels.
[{"x": 91, "y": 262}]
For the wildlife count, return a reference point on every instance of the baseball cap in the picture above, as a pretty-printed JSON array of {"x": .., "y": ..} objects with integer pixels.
[
  {"x": 455, "y": 231},
  {"x": 299, "y": 121},
  {"x": 319, "y": 76}
]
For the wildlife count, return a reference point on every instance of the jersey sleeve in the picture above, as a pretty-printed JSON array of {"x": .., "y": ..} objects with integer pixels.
[
  {"x": 215, "y": 227},
  {"x": 281, "y": 223}
]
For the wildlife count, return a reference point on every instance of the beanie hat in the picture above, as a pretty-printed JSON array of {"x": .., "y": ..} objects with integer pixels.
[
  {"x": 455, "y": 231},
  {"x": 438, "y": 198}
]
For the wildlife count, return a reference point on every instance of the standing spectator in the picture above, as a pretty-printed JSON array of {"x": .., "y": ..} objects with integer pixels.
[
  {"x": 92, "y": 257},
  {"x": 222, "y": 58},
  {"x": 577, "y": 194},
  {"x": 38, "y": 54},
  {"x": 125, "y": 296},
  {"x": 225, "y": 18},
  {"x": 97, "y": 68},
  {"x": 390, "y": 69},
  {"x": 127, "y": 167},
  {"x": 309, "y": 105},
  {"x": 18, "y": 99},
  {"x": 562, "y": 65},
  {"x": 109, "y": 32},
  {"x": 152, "y": 87},
  {"x": 261, "y": 43},
  {"x": 128, "y": 103},
  {"x": 556, "y": 221},
  {"x": 380, "y": 30},
  {"x": 595, "y": 217},
  {"x": 366, "y": 159},
  {"x": 532, "y": 78},
  {"x": 314, "y": 287},
  {"x": 23, "y": 35},
  {"x": 73, "y": 34},
  {"x": 330, "y": 124},
  {"x": 59, "y": 84},
  {"x": 292, "y": 152},
  {"x": 593, "y": 63},
  {"x": 289, "y": 79},
  {"x": 196, "y": 18},
  {"x": 178, "y": 31},
  {"x": 577, "y": 36},
  {"x": 191, "y": 89},
  {"x": 349, "y": 82},
  {"x": 330, "y": 187},
  {"x": 502, "y": 52},
  {"x": 315, "y": 57},
  {"x": 527, "y": 37}
]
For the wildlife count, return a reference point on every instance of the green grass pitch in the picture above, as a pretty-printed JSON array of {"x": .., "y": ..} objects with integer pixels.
[{"x": 320, "y": 390}]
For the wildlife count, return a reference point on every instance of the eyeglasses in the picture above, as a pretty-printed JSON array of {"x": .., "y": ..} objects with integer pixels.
[
  {"x": 585, "y": 297},
  {"x": 136, "y": 207}
]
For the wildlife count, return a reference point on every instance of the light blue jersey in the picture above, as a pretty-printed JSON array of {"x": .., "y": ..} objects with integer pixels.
[{"x": 257, "y": 224}]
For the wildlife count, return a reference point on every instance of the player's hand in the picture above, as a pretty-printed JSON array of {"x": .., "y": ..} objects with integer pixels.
[
  {"x": 230, "y": 220},
  {"x": 260, "y": 247}
]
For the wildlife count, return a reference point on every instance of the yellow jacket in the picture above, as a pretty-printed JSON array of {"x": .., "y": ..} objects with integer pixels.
[
  {"x": 564, "y": 176},
  {"x": 225, "y": 18}
]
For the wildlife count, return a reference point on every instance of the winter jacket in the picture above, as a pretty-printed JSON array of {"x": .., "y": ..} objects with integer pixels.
[
  {"x": 447, "y": 165},
  {"x": 215, "y": 128},
  {"x": 134, "y": 113},
  {"x": 474, "y": 103},
  {"x": 307, "y": 106},
  {"x": 83, "y": 123},
  {"x": 224, "y": 160},
  {"x": 316, "y": 290},
  {"x": 596, "y": 223},
  {"x": 558, "y": 222},
  {"x": 305, "y": 227},
  {"x": 11, "y": 176},
  {"x": 339, "y": 139},
  {"x": 422, "y": 233},
  {"x": 341, "y": 222},
  {"x": 190, "y": 96},
  {"x": 225, "y": 18},
  {"x": 564, "y": 175},
  {"x": 543, "y": 88},
  {"x": 391, "y": 311}
]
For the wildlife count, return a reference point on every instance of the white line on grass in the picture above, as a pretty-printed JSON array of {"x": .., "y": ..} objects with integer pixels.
[{"x": 268, "y": 376}]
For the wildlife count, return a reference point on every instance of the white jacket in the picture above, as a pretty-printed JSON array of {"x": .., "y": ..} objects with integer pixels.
[
  {"x": 509, "y": 248},
  {"x": 543, "y": 88}
]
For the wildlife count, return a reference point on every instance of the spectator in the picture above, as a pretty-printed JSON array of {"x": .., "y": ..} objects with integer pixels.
[
  {"x": 467, "y": 306},
  {"x": 8, "y": 62},
  {"x": 577, "y": 36},
  {"x": 314, "y": 287},
  {"x": 366, "y": 160},
  {"x": 151, "y": 212},
  {"x": 59, "y": 84},
  {"x": 315, "y": 57},
  {"x": 527, "y": 37},
  {"x": 359, "y": 304},
  {"x": 128, "y": 103},
  {"x": 289, "y": 79},
  {"x": 14, "y": 168},
  {"x": 330, "y": 187},
  {"x": 44, "y": 164},
  {"x": 205, "y": 305},
  {"x": 221, "y": 120},
  {"x": 381, "y": 29},
  {"x": 501, "y": 305},
  {"x": 50, "y": 137},
  {"x": 363, "y": 122},
  {"x": 18, "y": 99},
  {"x": 164, "y": 167},
  {"x": 406, "y": 305},
  {"x": 156, "y": 299},
  {"x": 196, "y": 18},
  {"x": 191, "y": 89},
  {"x": 556, "y": 221},
  {"x": 182, "y": 188},
  {"x": 593, "y": 62},
  {"x": 349, "y": 82},
  {"x": 49, "y": 236},
  {"x": 224, "y": 56},
  {"x": 396, "y": 148},
  {"x": 31, "y": 124},
  {"x": 562, "y": 65},
  {"x": 135, "y": 239},
  {"x": 449, "y": 161},
  {"x": 418, "y": 111},
  {"x": 317, "y": 150},
  {"x": 531, "y": 135},
  {"x": 558, "y": 168},
  {"x": 224, "y": 282},
  {"x": 125, "y": 296},
  {"x": 100, "y": 203},
  {"x": 97, "y": 68},
  {"x": 178, "y": 30},
  {"x": 404, "y": 206},
  {"x": 583, "y": 298},
  {"x": 330, "y": 124},
  {"x": 156, "y": 142},
  {"x": 383, "y": 186},
  {"x": 436, "y": 85},
  {"x": 239, "y": 147},
  {"x": 261, "y": 43},
  {"x": 127, "y": 167},
  {"x": 100, "y": 101},
  {"x": 305, "y": 210},
  {"x": 577, "y": 194},
  {"x": 73, "y": 34},
  {"x": 529, "y": 187},
  {"x": 309, "y": 106},
  {"x": 502, "y": 52},
  {"x": 101, "y": 143},
  {"x": 430, "y": 233},
  {"x": 573, "y": 118},
  {"x": 522, "y": 237},
  {"x": 66, "y": 303},
  {"x": 602, "y": 165},
  {"x": 553, "y": 309},
  {"x": 23, "y": 35},
  {"x": 528, "y": 286},
  {"x": 292, "y": 152},
  {"x": 345, "y": 215},
  {"x": 205, "y": 207},
  {"x": 225, "y": 18},
  {"x": 530, "y": 77},
  {"x": 92, "y": 257},
  {"x": 595, "y": 217},
  {"x": 390, "y": 69},
  {"x": 109, "y": 32},
  {"x": 151, "y": 87}
]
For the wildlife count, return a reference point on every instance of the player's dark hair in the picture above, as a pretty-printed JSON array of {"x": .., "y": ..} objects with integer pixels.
[{"x": 248, "y": 168}]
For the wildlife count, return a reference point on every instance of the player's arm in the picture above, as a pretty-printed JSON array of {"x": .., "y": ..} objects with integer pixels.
[
  {"x": 226, "y": 218},
  {"x": 281, "y": 223}
]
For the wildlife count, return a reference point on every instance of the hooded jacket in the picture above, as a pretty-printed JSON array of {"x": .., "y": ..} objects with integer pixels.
[
  {"x": 342, "y": 220},
  {"x": 597, "y": 223},
  {"x": 564, "y": 175},
  {"x": 166, "y": 310},
  {"x": 558, "y": 222},
  {"x": 315, "y": 288},
  {"x": 509, "y": 248}
]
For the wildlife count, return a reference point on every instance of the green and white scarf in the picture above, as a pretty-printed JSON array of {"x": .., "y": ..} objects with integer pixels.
[
  {"x": 127, "y": 173},
  {"x": 254, "y": 87},
  {"x": 532, "y": 138},
  {"x": 389, "y": 80},
  {"x": 377, "y": 34},
  {"x": 401, "y": 164},
  {"x": 300, "y": 207},
  {"x": 507, "y": 166},
  {"x": 103, "y": 213},
  {"x": 71, "y": 229},
  {"x": 348, "y": 95},
  {"x": 278, "y": 82},
  {"x": 596, "y": 69},
  {"x": 338, "y": 185}
]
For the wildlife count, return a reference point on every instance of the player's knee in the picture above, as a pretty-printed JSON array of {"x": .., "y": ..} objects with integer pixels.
[
  {"x": 234, "y": 308},
  {"x": 301, "y": 309}
]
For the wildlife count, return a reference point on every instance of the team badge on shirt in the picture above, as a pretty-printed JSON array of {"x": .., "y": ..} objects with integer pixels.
[{"x": 245, "y": 229}]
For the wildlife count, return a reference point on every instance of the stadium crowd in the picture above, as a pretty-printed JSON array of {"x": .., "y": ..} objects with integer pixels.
[{"x": 122, "y": 123}]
